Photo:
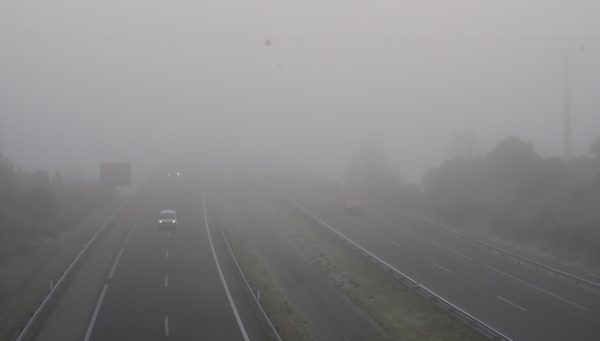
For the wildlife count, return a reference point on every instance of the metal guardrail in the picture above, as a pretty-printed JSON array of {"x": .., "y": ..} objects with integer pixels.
[
  {"x": 557, "y": 272},
  {"x": 254, "y": 296},
  {"x": 446, "y": 305},
  {"x": 23, "y": 333}
]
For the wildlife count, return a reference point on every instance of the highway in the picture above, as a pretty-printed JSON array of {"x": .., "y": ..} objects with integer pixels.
[
  {"x": 140, "y": 283},
  {"x": 520, "y": 303}
]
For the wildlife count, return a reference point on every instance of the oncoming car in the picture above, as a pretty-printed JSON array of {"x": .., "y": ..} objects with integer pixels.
[{"x": 167, "y": 219}]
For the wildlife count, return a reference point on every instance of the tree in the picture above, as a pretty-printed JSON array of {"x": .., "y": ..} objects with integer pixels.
[
  {"x": 40, "y": 178},
  {"x": 453, "y": 190},
  {"x": 512, "y": 158},
  {"x": 40, "y": 203},
  {"x": 57, "y": 180},
  {"x": 8, "y": 184},
  {"x": 513, "y": 150}
]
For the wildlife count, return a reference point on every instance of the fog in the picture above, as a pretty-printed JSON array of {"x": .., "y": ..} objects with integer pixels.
[
  {"x": 381, "y": 170},
  {"x": 306, "y": 82}
]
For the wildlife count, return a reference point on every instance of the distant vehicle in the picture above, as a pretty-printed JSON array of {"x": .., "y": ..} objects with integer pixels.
[
  {"x": 174, "y": 174},
  {"x": 353, "y": 207},
  {"x": 167, "y": 220}
]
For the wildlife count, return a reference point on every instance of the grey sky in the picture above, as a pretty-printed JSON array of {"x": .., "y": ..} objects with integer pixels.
[{"x": 84, "y": 82}]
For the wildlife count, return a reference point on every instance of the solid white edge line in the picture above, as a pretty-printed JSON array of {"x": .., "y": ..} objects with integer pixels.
[
  {"x": 511, "y": 303},
  {"x": 132, "y": 229},
  {"x": 58, "y": 283},
  {"x": 536, "y": 287},
  {"x": 114, "y": 267},
  {"x": 212, "y": 248},
  {"x": 90, "y": 328},
  {"x": 166, "y": 325},
  {"x": 254, "y": 295},
  {"x": 439, "y": 266}
]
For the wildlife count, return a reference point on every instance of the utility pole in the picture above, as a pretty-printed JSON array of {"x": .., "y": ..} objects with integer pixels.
[{"x": 567, "y": 128}]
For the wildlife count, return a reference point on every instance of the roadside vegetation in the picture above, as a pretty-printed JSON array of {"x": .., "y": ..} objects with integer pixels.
[
  {"x": 37, "y": 205},
  {"x": 511, "y": 192},
  {"x": 42, "y": 226}
]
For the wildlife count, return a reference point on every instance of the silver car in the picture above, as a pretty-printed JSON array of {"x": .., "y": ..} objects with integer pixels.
[{"x": 167, "y": 220}]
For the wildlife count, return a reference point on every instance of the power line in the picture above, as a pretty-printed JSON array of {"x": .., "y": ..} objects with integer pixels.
[{"x": 296, "y": 40}]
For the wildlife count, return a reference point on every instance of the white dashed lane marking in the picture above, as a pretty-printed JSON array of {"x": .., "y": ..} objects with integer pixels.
[
  {"x": 447, "y": 248},
  {"x": 396, "y": 244},
  {"x": 166, "y": 325},
  {"x": 418, "y": 235},
  {"x": 440, "y": 267},
  {"x": 511, "y": 303},
  {"x": 537, "y": 288}
]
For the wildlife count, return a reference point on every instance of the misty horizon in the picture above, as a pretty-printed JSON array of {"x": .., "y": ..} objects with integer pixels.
[
  {"x": 81, "y": 86},
  {"x": 300, "y": 170}
]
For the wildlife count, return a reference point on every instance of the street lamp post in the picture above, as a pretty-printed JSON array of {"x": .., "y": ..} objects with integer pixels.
[{"x": 567, "y": 128}]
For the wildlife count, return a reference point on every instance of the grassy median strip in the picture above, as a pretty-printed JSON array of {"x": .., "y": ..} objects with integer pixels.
[
  {"x": 288, "y": 323},
  {"x": 400, "y": 312}
]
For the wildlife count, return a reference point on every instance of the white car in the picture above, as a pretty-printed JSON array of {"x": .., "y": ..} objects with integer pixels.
[{"x": 167, "y": 220}]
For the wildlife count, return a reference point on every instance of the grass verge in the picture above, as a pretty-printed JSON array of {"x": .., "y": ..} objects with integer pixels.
[{"x": 288, "y": 323}]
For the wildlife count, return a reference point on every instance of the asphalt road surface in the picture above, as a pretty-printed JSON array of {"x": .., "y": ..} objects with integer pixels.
[
  {"x": 516, "y": 300},
  {"x": 140, "y": 283}
]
